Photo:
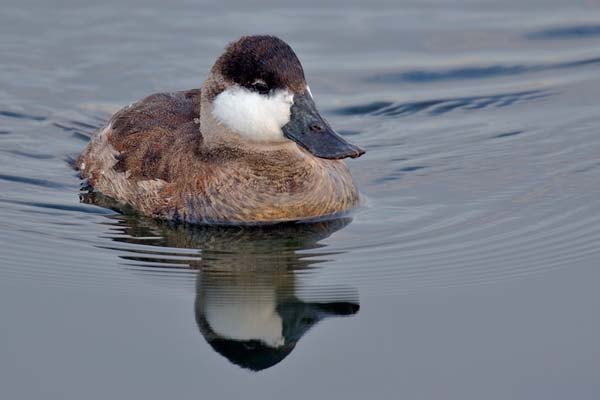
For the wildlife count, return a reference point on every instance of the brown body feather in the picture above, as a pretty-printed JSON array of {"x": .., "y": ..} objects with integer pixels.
[{"x": 152, "y": 156}]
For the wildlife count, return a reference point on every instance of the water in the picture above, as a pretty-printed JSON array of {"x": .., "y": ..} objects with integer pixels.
[{"x": 470, "y": 272}]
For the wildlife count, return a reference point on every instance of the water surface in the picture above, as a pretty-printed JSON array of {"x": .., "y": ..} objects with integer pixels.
[{"x": 470, "y": 272}]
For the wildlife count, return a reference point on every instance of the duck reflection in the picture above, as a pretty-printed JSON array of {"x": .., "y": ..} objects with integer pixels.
[
  {"x": 256, "y": 319},
  {"x": 251, "y": 304}
]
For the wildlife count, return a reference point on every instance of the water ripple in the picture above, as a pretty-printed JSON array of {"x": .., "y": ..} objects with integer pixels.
[
  {"x": 17, "y": 115},
  {"x": 568, "y": 32},
  {"x": 507, "y": 134},
  {"x": 80, "y": 130},
  {"x": 398, "y": 173},
  {"x": 35, "y": 156},
  {"x": 477, "y": 72},
  {"x": 441, "y": 106},
  {"x": 32, "y": 181},
  {"x": 61, "y": 207}
]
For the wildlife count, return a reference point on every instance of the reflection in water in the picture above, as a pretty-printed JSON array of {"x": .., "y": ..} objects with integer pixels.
[
  {"x": 254, "y": 318},
  {"x": 250, "y": 306}
]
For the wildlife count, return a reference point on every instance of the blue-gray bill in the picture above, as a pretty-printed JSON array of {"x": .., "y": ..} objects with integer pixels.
[{"x": 312, "y": 132}]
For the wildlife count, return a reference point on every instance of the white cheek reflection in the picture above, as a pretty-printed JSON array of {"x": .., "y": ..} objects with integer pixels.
[{"x": 248, "y": 315}]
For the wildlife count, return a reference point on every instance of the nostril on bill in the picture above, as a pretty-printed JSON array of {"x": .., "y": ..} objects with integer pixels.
[{"x": 316, "y": 127}]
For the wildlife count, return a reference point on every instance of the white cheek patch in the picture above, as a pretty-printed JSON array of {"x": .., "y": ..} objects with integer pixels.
[{"x": 254, "y": 116}]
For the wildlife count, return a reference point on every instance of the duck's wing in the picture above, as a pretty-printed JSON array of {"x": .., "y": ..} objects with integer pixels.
[
  {"x": 151, "y": 135},
  {"x": 138, "y": 157},
  {"x": 169, "y": 111}
]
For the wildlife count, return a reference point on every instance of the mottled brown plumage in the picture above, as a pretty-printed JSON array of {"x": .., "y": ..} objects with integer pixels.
[{"x": 155, "y": 155}]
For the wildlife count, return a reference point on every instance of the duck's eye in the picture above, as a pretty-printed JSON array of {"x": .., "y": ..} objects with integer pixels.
[{"x": 261, "y": 87}]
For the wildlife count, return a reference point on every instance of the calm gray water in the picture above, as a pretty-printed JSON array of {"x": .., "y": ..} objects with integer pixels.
[{"x": 471, "y": 271}]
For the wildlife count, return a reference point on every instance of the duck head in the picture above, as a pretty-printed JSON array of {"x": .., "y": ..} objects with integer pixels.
[{"x": 256, "y": 93}]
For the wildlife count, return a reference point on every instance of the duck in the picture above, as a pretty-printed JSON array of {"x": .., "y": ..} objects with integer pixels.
[{"x": 248, "y": 147}]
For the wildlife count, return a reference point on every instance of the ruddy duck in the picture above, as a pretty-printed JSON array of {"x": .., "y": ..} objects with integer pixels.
[{"x": 248, "y": 147}]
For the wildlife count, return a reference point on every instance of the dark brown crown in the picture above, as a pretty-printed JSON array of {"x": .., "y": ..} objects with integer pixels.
[{"x": 267, "y": 58}]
